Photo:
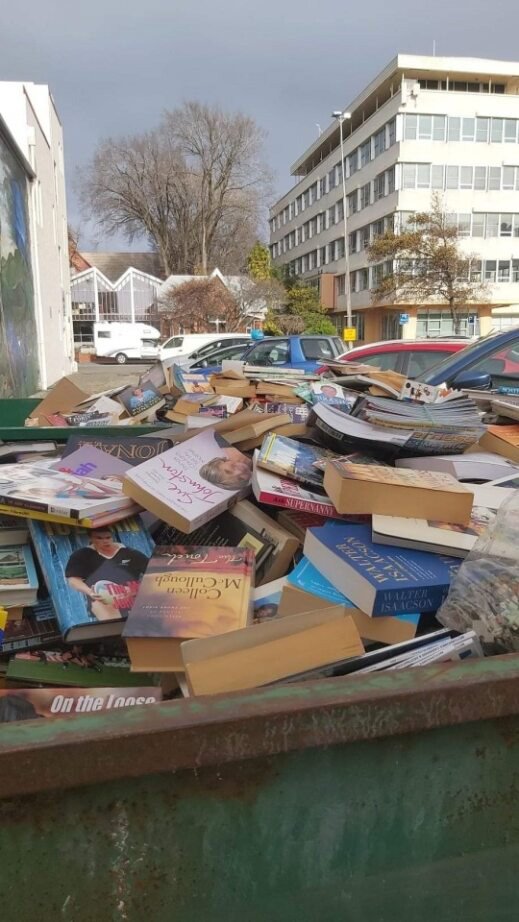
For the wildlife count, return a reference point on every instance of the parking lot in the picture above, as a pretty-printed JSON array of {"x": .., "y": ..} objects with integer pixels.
[{"x": 93, "y": 377}]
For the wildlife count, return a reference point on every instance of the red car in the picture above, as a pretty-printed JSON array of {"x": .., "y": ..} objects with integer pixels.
[{"x": 412, "y": 358}]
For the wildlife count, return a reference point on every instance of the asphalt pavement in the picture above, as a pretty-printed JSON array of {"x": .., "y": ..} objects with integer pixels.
[{"x": 93, "y": 377}]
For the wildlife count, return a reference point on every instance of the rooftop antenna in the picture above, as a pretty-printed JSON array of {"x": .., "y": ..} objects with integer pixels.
[{"x": 319, "y": 129}]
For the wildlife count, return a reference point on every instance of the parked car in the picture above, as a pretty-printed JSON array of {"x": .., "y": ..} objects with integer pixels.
[
  {"x": 306, "y": 352},
  {"x": 410, "y": 357},
  {"x": 189, "y": 344},
  {"x": 122, "y": 342},
  {"x": 490, "y": 362},
  {"x": 213, "y": 360}
]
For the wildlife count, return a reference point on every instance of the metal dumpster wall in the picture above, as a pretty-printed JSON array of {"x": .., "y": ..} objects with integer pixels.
[
  {"x": 375, "y": 799},
  {"x": 423, "y": 826}
]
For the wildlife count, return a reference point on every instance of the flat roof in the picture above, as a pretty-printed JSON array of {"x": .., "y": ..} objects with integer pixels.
[{"x": 418, "y": 66}]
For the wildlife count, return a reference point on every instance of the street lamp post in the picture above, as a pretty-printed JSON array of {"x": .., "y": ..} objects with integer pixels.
[{"x": 341, "y": 118}]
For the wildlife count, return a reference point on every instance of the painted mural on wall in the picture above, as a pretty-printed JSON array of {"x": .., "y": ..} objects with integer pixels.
[{"x": 18, "y": 350}]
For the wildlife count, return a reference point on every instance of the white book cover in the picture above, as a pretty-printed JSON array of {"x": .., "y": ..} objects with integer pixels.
[
  {"x": 478, "y": 465},
  {"x": 442, "y": 537},
  {"x": 192, "y": 482}
]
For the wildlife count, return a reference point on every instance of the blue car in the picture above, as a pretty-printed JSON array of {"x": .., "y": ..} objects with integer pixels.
[
  {"x": 306, "y": 352},
  {"x": 490, "y": 362}
]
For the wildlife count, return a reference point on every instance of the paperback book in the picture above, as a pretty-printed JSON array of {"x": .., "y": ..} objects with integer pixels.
[
  {"x": 473, "y": 466},
  {"x": 368, "y": 489},
  {"x": 92, "y": 576},
  {"x": 293, "y": 459},
  {"x": 88, "y": 461},
  {"x": 18, "y": 577},
  {"x": 141, "y": 401},
  {"x": 13, "y": 530},
  {"x": 37, "y": 489},
  {"x": 187, "y": 592},
  {"x": 191, "y": 483},
  {"x": 274, "y": 490},
  {"x": 379, "y": 580}
]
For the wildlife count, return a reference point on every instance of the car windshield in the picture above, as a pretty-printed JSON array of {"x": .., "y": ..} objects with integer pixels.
[{"x": 461, "y": 354}]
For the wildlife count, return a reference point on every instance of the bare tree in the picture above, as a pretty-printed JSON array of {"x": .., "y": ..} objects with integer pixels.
[
  {"x": 203, "y": 305},
  {"x": 427, "y": 264},
  {"x": 195, "y": 188}
]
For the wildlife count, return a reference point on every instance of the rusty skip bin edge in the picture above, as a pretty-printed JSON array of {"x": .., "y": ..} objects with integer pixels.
[{"x": 57, "y": 754}]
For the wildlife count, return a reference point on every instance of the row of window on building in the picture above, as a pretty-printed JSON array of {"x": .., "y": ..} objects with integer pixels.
[
  {"x": 476, "y": 224},
  {"x": 482, "y": 129},
  {"x": 413, "y": 176},
  {"x": 371, "y": 148},
  {"x": 421, "y": 127},
  {"x": 445, "y": 177}
]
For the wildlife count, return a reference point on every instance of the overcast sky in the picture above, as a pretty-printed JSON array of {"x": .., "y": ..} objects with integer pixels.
[{"x": 114, "y": 65}]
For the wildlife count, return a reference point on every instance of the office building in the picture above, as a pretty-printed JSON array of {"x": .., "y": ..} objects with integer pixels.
[
  {"x": 424, "y": 125},
  {"x": 35, "y": 312}
]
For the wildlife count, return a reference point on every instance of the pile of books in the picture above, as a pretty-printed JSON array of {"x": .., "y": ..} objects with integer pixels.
[{"x": 275, "y": 527}]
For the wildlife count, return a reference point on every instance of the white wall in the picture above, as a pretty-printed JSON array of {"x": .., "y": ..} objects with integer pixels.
[{"x": 31, "y": 117}]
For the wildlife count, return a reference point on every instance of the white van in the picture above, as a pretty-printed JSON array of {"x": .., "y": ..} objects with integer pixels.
[
  {"x": 186, "y": 343},
  {"x": 126, "y": 342}
]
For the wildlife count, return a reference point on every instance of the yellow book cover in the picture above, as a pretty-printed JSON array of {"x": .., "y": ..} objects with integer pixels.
[{"x": 190, "y": 592}]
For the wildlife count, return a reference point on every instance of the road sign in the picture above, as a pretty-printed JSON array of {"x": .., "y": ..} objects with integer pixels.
[
  {"x": 473, "y": 318},
  {"x": 404, "y": 318},
  {"x": 349, "y": 334}
]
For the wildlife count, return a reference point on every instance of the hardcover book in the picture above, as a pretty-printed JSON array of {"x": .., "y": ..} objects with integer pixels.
[
  {"x": 293, "y": 459},
  {"x": 369, "y": 489},
  {"x": 192, "y": 483},
  {"x": 225, "y": 531},
  {"x": 129, "y": 449},
  {"x": 379, "y": 580},
  {"x": 92, "y": 576},
  {"x": 187, "y": 592},
  {"x": 38, "y": 489},
  {"x": 18, "y": 578},
  {"x": 31, "y": 703}
]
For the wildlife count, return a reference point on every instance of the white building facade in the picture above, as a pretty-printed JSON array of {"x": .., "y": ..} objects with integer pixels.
[
  {"x": 35, "y": 141},
  {"x": 424, "y": 125}
]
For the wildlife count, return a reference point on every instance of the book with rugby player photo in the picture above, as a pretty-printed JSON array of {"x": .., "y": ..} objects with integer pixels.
[{"x": 92, "y": 576}]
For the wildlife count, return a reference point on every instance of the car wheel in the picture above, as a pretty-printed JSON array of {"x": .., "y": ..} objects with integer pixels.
[{"x": 120, "y": 358}]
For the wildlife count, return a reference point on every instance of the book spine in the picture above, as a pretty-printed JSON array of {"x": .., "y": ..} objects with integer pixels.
[
  {"x": 301, "y": 505},
  {"x": 32, "y": 505}
]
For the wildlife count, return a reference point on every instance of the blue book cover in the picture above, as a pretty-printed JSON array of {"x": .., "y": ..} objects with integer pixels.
[
  {"x": 380, "y": 580},
  {"x": 92, "y": 574},
  {"x": 309, "y": 579}
]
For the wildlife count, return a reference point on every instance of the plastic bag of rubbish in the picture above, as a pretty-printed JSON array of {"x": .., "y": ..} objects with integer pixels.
[{"x": 484, "y": 594}]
